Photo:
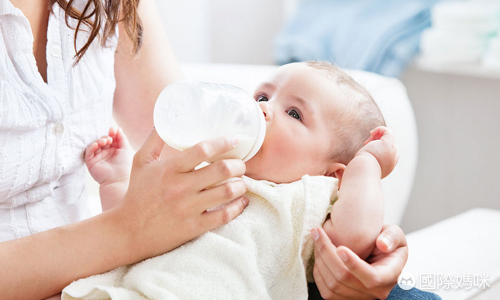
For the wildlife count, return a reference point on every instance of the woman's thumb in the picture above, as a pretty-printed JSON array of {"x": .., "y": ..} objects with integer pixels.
[
  {"x": 391, "y": 238},
  {"x": 151, "y": 149}
]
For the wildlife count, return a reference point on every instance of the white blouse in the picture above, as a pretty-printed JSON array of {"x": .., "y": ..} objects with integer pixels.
[{"x": 45, "y": 127}]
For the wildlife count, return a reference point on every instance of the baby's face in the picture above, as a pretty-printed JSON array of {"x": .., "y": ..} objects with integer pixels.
[{"x": 297, "y": 102}]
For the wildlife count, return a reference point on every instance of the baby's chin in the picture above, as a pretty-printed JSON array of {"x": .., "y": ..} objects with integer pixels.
[
  {"x": 258, "y": 171},
  {"x": 261, "y": 168},
  {"x": 254, "y": 169}
]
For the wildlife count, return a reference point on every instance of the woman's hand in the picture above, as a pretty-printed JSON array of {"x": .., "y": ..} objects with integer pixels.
[
  {"x": 340, "y": 274},
  {"x": 165, "y": 206},
  {"x": 167, "y": 200}
]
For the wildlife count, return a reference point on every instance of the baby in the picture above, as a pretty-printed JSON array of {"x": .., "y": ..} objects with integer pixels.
[{"x": 319, "y": 122}]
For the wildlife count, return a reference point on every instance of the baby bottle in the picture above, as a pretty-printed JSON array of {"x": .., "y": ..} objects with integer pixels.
[{"x": 188, "y": 112}]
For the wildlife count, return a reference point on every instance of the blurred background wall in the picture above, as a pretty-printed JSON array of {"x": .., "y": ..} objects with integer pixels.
[
  {"x": 224, "y": 31},
  {"x": 457, "y": 105}
]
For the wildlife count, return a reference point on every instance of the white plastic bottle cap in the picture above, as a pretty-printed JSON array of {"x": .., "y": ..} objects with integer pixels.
[{"x": 188, "y": 112}]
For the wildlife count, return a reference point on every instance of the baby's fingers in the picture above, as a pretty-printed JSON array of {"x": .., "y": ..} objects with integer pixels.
[
  {"x": 121, "y": 139},
  {"x": 376, "y": 134},
  {"x": 104, "y": 141},
  {"x": 90, "y": 151},
  {"x": 385, "y": 134},
  {"x": 112, "y": 132}
]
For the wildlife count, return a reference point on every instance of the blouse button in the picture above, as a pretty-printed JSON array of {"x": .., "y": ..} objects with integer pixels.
[
  {"x": 58, "y": 129},
  {"x": 55, "y": 50}
]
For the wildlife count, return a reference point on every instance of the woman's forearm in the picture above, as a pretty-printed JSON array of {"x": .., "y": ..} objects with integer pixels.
[
  {"x": 357, "y": 216},
  {"x": 46, "y": 262}
]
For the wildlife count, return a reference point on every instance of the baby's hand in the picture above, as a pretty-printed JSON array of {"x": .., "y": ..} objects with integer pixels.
[
  {"x": 381, "y": 145},
  {"x": 107, "y": 158}
]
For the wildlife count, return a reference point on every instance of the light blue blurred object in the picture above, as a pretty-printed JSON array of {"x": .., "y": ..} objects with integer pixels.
[{"x": 380, "y": 36}]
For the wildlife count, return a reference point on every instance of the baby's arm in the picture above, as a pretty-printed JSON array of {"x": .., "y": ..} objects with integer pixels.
[
  {"x": 109, "y": 164},
  {"x": 357, "y": 216}
]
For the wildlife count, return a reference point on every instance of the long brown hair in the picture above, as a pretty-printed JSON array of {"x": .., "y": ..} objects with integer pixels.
[{"x": 107, "y": 12}]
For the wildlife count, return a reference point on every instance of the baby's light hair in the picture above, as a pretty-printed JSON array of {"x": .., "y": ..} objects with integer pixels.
[{"x": 352, "y": 126}]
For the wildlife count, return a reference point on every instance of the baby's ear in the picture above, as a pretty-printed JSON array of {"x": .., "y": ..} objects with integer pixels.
[{"x": 336, "y": 170}]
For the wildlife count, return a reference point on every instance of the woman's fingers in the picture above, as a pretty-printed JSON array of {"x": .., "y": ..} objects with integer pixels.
[
  {"x": 333, "y": 283},
  {"x": 188, "y": 159},
  {"x": 381, "y": 274},
  {"x": 390, "y": 238},
  {"x": 326, "y": 273},
  {"x": 150, "y": 150},
  {"x": 216, "y": 218},
  {"x": 365, "y": 273},
  {"x": 323, "y": 289},
  {"x": 329, "y": 293},
  {"x": 223, "y": 193},
  {"x": 217, "y": 172},
  {"x": 353, "y": 277},
  {"x": 324, "y": 249}
]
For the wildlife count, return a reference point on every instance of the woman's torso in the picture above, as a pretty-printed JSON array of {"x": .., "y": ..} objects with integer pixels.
[{"x": 46, "y": 126}]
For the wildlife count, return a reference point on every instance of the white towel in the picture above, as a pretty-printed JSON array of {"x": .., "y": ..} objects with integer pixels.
[{"x": 262, "y": 254}]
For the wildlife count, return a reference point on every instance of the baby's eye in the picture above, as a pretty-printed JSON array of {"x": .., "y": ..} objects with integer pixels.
[
  {"x": 294, "y": 114},
  {"x": 261, "y": 98}
]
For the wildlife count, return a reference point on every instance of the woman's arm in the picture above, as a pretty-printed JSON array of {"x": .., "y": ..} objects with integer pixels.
[
  {"x": 165, "y": 206},
  {"x": 140, "y": 79},
  {"x": 43, "y": 264}
]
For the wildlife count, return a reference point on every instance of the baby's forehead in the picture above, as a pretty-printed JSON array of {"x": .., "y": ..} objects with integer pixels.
[
  {"x": 323, "y": 86},
  {"x": 305, "y": 76},
  {"x": 319, "y": 87},
  {"x": 296, "y": 67},
  {"x": 315, "y": 84}
]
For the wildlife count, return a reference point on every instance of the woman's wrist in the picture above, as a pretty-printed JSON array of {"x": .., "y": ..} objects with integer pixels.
[
  {"x": 125, "y": 226},
  {"x": 137, "y": 236}
]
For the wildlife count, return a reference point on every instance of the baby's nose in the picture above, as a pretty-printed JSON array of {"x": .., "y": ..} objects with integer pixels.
[{"x": 266, "y": 110}]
